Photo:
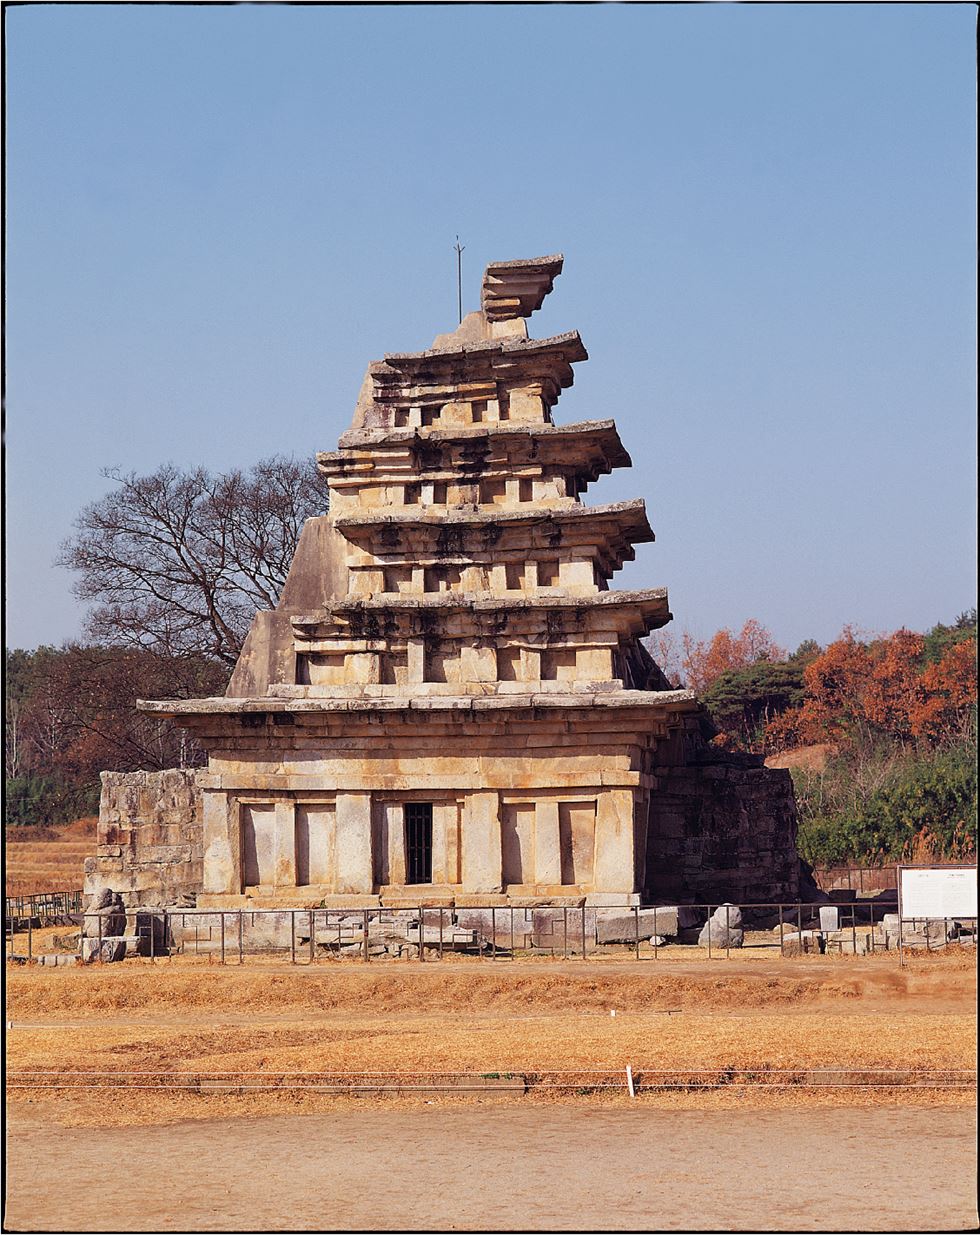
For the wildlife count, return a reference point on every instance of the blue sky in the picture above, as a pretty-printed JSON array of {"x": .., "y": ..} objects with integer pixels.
[{"x": 216, "y": 217}]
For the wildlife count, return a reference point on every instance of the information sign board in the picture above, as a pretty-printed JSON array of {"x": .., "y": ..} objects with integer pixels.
[{"x": 937, "y": 892}]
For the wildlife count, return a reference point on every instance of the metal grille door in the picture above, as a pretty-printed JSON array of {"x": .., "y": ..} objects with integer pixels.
[{"x": 418, "y": 842}]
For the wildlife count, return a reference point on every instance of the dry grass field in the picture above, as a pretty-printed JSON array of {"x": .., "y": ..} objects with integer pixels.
[
  {"x": 50, "y": 863},
  {"x": 437, "y": 1161},
  {"x": 778, "y": 1159}
]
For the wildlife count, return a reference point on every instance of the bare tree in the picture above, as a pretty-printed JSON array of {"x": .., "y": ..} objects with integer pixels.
[{"x": 178, "y": 562}]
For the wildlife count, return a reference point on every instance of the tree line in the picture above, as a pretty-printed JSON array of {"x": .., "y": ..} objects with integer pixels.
[{"x": 894, "y": 719}]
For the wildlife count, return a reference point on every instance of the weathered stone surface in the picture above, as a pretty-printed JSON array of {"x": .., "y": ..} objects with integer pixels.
[
  {"x": 449, "y": 703},
  {"x": 846, "y": 942},
  {"x": 627, "y": 927},
  {"x": 103, "y": 921},
  {"x": 158, "y": 817},
  {"x": 799, "y": 943},
  {"x": 107, "y": 951},
  {"x": 723, "y": 929}
]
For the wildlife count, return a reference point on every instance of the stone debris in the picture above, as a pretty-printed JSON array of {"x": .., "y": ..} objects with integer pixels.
[
  {"x": 104, "y": 928},
  {"x": 723, "y": 929},
  {"x": 846, "y": 941},
  {"x": 799, "y": 943}
]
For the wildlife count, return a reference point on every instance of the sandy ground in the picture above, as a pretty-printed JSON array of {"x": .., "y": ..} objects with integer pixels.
[
  {"x": 734, "y": 1159},
  {"x": 504, "y": 1168}
]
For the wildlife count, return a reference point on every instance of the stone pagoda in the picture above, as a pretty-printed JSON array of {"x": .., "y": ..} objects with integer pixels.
[{"x": 449, "y": 704}]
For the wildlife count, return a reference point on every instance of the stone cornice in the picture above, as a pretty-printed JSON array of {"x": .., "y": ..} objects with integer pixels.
[
  {"x": 628, "y": 517},
  {"x": 651, "y": 600},
  {"x": 518, "y": 288},
  {"x": 602, "y": 433},
  {"x": 646, "y": 701},
  {"x": 567, "y": 347}
]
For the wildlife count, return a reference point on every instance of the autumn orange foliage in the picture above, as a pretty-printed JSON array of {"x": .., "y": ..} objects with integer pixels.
[
  {"x": 858, "y": 691},
  {"x": 706, "y": 660}
]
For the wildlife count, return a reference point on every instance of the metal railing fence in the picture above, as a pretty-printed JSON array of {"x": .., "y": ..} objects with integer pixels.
[
  {"x": 503, "y": 932},
  {"x": 43, "y": 905}
]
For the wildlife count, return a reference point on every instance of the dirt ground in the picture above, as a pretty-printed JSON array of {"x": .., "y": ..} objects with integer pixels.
[
  {"x": 504, "y": 1168},
  {"x": 739, "y": 1158}
]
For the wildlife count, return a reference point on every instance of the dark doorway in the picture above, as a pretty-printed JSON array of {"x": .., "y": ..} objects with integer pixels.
[{"x": 418, "y": 842}]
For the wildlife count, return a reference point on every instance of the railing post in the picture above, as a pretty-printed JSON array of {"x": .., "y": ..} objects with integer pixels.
[
  {"x": 367, "y": 950},
  {"x": 636, "y": 930},
  {"x": 241, "y": 938},
  {"x": 222, "y": 917},
  {"x": 584, "y": 947},
  {"x": 656, "y": 948}
]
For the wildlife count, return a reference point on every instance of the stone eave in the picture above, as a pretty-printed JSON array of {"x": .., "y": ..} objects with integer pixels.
[
  {"x": 651, "y": 599},
  {"x": 602, "y": 433},
  {"x": 644, "y": 701},
  {"x": 567, "y": 347},
  {"x": 628, "y": 517},
  {"x": 518, "y": 288}
]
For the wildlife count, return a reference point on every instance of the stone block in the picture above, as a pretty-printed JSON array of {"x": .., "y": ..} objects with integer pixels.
[
  {"x": 108, "y": 951},
  {"x": 613, "y": 927},
  {"x": 801, "y": 943},
  {"x": 723, "y": 929}
]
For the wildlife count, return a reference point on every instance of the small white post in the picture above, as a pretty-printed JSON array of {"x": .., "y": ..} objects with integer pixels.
[{"x": 629, "y": 1080}]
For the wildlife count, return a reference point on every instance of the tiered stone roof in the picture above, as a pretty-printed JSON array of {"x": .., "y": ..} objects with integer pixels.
[{"x": 458, "y": 558}]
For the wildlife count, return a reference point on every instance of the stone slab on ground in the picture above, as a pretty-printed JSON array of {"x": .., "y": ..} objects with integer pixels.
[
  {"x": 620, "y": 927},
  {"x": 799, "y": 943}
]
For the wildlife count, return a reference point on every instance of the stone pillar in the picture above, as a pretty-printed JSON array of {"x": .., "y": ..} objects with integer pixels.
[
  {"x": 443, "y": 815},
  {"x": 395, "y": 831},
  {"x": 579, "y": 576},
  {"x": 481, "y": 843},
  {"x": 416, "y": 661},
  {"x": 531, "y": 666},
  {"x": 285, "y": 873},
  {"x": 477, "y": 664},
  {"x": 222, "y": 844},
  {"x": 614, "y": 869},
  {"x": 547, "y": 844},
  {"x": 354, "y": 867}
]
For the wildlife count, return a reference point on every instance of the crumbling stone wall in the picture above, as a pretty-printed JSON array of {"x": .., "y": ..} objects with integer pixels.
[
  {"x": 150, "y": 840},
  {"x": 722, "y": 828}
]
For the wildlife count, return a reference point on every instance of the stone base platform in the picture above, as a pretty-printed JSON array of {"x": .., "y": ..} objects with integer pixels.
[{"x": 423, "y": 896}]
